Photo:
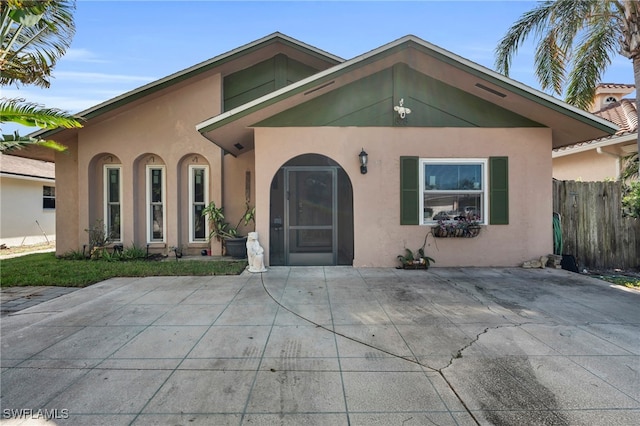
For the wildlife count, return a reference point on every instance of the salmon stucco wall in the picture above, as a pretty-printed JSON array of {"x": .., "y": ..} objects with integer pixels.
[
  {"x": 159, "y": 130},
  {"x": 587, "y": 166},
  {"x": 379, "y": 237}
]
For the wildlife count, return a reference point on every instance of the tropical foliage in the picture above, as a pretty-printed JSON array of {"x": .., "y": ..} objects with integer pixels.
[
  {"x": 33, "y": 36},
  {"x": 576, "y": 42}
]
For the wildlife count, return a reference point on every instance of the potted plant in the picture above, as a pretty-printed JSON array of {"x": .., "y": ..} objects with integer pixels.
[
  {"x": 418, "y": 260},
  {"x": 233, "y": 244},
  {"x": 461, "y": 227}
]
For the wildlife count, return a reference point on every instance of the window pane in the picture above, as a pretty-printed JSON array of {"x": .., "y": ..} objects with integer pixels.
[
  {"x": 48, "y": 203},
  {"x": 448, "y": 177},
  {"x": 49, "y": 191},
  {"x": 156, "y": 222},
  {"x": 449, "y": 206},
  {"x": 114, "y": 185},
  {"x": 198, "y": 223},
  {"x": 113, "y": 221},
  {"x": 198, "y": 185},
  {"x": 156, "y": 185}
]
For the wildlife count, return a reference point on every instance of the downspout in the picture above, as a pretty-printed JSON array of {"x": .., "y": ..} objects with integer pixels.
[{"x": 618, "y": 158}]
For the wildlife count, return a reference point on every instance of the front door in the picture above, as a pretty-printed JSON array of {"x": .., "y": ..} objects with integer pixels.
[{"x": 310, "y": 222}]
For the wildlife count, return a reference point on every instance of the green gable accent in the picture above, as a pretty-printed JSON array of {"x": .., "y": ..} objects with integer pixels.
[
  {"x": 499, "y": 190},
  {"x": 370, "y": 101},
  {"x": 409, "y": 191},
  {"x": 263, "y": 78}
]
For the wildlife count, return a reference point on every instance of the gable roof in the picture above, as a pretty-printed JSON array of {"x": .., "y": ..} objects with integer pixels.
[
  {"x": 195, "y": 70},
  {"x": 569, "y": 125}
]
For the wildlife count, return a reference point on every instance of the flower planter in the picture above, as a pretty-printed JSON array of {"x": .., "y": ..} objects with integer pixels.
[
  {"x": 455, "y": 232},
  {"x": 236, "y": 247}
]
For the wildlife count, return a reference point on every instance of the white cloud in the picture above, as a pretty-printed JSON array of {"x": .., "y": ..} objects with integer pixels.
[{"x": 82, "y": 55}]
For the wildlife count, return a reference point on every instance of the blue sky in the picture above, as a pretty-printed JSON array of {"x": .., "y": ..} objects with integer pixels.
[{"x": 121, "y": 45}]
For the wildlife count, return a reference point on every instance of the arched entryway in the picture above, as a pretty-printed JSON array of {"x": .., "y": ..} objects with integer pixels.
[{"x": 311, "y": 213}]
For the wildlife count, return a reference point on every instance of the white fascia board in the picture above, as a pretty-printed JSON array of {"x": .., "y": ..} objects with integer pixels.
[{"x": 27, "y": 177}]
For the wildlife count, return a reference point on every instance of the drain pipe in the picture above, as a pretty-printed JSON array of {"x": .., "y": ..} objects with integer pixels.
[{"x": 600, "y": 151}]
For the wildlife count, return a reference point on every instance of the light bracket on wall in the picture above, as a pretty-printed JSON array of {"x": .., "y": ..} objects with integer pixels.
[
  {"x": 364, "y": 159},
  {"x": 402, "y": 112}
]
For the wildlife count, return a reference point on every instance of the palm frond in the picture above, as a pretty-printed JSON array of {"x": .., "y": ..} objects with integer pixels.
[
  {"x": 550, "y": 62},
  {"x": 531, "y": 22},
  {"x": 14, "y": 141},
  {"x": 593, "y": 56},
  {"x": 34, "y": 115},
  {"x": 33, "y": 36}
]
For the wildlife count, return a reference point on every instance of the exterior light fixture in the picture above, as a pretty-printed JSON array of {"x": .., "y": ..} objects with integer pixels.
[{"x": 364, "y": 158}]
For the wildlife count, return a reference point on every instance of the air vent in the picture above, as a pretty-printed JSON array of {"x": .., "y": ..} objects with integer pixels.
[
  {"x": 239, "y": 146},
  {"x": 490, "y": 90}
]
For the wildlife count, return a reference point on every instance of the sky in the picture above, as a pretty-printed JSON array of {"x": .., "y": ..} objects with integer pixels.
[{"x": 122, "y": 45}]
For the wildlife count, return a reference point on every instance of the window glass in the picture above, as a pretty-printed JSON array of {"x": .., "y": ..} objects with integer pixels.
[
  {"x": 112, "y": 203},
  {"x": 48, "y": 197},
  {"x": 453, "y": 189},
  {"x": 155, "y": 199},
  {"x": 198, "y": 200}
]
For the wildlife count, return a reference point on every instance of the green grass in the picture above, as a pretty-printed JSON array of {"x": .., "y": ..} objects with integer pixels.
[
  {"x": 631, "y": 282},
  {"x": 45, "y": 269}
]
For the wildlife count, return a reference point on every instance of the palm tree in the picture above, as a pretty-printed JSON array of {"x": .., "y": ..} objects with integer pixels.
[
  {"x": 577, "y": 41},
  {"x": 34, "y": 35}
]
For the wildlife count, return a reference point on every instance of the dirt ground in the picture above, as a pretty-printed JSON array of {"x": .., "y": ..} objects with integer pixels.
[{"x": 6, "y": 251}]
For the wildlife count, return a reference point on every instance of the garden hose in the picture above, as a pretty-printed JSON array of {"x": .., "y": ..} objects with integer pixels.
[{"x": 557, "y": 234}]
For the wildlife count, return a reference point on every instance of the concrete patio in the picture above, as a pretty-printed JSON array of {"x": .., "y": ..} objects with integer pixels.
[{"x": 329, "y": 346}]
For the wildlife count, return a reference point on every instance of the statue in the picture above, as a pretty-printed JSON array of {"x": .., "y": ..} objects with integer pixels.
[{"x": 255, "y": 253}]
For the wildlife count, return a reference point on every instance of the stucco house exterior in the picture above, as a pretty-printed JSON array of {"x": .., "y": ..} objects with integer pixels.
[
  {"x": 602, "y": 159},
  {"x": 27, "y": 201},
  {"x": 283, "y": 125}
]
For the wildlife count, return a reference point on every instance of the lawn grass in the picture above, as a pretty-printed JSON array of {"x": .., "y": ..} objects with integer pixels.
[
  {"x": 45, "y": 269},
  {"x": 627, "y": 281}
]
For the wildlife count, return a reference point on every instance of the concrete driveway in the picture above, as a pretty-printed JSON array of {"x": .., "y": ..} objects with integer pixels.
[{"x": 329, "y": 346}]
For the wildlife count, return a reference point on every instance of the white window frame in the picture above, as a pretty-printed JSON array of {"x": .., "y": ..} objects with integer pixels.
[
  {"x": 456, "y": 161},
  {"x": 192, "y": 202},
  {"x": 106, "y": 202},
  {"x": 148, "y": 220}
]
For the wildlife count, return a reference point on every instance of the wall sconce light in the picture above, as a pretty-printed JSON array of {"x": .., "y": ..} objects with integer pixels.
[{"x": 364, "y": 159}]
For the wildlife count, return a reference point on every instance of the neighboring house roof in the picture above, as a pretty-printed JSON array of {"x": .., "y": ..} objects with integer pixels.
[
  {"x": 232, "y": 130},
  {"x": 624, "y": 114},
  {"x": 616, "y": 86},
  {"x": 26, "y": 168}
]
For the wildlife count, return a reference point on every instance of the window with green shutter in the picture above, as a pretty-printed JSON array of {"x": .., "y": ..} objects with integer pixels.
[{"x": 446, "y": 189}]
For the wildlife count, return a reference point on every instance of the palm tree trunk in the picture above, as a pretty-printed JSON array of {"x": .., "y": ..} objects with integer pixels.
[{"x": 636, "y": 78}]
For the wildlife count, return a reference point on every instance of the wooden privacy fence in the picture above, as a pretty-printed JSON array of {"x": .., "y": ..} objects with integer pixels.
[{"x": 593, "y": 228}]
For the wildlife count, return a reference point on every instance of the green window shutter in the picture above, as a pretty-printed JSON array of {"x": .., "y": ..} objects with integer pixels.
[
  {"x": 409, "y": 190},
  {"x": 499, "y": 190}
]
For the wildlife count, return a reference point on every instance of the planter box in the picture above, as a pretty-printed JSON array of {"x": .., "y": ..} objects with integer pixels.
[
  {"x": 236, "y": 247},
  {"x": 467, "y": 232}
]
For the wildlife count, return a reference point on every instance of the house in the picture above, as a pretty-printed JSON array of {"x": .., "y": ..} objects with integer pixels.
[
  {"x": 27, "y": 201},
  {"x": 286, "y": 125},
  {"x": 602, "y": 159}
]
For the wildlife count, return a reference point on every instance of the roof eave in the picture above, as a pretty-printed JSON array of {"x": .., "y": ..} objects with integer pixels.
[{"x": 316, "y": 80}]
